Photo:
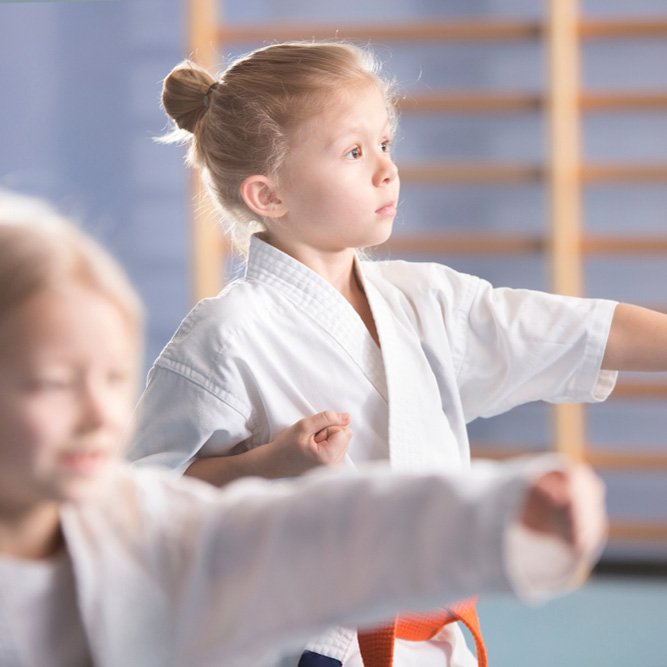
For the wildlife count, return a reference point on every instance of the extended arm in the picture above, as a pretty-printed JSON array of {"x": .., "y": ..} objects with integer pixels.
[
  {"x": 176, "y": 572},
  {"x": 637, "y": 340},
  {"x": 357, "y": 548}
]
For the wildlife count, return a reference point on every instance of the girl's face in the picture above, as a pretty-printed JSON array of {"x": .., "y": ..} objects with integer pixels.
[
  {"x": 339, "y": 185},
  {"x": 68, "y": 364}
]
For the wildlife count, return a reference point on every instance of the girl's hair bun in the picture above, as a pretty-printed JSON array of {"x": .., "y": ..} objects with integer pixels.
[{"x": 186, "y": 94}]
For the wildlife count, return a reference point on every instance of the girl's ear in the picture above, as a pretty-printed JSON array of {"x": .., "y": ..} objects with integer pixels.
[{"x": 260, "y": 196}]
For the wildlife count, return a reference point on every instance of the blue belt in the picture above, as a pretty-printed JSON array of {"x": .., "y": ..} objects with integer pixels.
[{"x": 310, "y": 659}]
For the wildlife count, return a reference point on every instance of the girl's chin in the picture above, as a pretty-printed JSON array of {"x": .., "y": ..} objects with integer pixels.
[{"x": 85, "y": 486}]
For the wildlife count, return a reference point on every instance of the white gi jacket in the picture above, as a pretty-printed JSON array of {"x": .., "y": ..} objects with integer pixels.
[
  {"x": 172, "y": 572},
  {"x": 282, "y": 343}
]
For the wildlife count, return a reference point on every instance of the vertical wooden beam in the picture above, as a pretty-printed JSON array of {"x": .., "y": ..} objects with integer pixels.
[
  {"x": 206, "y": 270},
  {"x": 564, "y": 147},
  {"x": 564, "y": 183}
]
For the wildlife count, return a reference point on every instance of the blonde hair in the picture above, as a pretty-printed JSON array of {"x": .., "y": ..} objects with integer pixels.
[
  {"x": 38, "y": 248},
  {"x": 238, "y": 124}
]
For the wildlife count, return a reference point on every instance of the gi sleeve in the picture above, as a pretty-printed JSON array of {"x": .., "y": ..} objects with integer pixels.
[
  {"x": 171, "y": 571},
  {"x": 179, "y": 417},
  {"x": 266, "y": 565},
  {"x": 516, "y": 346}
]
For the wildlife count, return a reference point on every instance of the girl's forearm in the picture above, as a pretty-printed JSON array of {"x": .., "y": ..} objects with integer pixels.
[
  {"x": 220, "y": 470},
  {"x": 637, "y": 340},
  {"x": 320, "y": 439}
]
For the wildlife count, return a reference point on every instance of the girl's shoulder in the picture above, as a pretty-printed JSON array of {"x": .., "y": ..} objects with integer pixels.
[
  {"x": 241, "y": 301},
  {"x": 217, "y": 323}
]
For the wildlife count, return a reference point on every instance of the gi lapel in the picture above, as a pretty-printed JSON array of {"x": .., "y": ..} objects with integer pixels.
[
  {"x": 420, "y": 436},
  {"x": 322, "y": 303}
]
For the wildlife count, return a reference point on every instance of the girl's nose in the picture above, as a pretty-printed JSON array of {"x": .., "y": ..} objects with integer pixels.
[
  {"x": 386, "y": 170},
  {"x": 94, "y": 407}
]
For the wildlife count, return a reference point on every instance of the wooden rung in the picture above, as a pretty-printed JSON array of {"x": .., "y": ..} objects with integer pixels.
[
  {"x": 638, "y": 530},
  {"x": 500, "y": 451},
  {"x": 635, "y": 389},
  {"x": 489, "y": 172},
  {"x": 482, "y": 244},
  {"x": 620, "y": 100},
  {"x": 512, "y": 244},
  {"x": 629, "y": 459},
  {"x": 599, "y": 173},
  {"x": 478, "y": 30},
  {"x": 492, "y": 102},
  {"x": 470, "y": 101},
  {"x": 438, "y": 29},
  {"x": 624, "y": 245},
  {"x": 613, "y": 28},
  {"x": 492, "y": 244},
  {"x": 467, "y": 172}
]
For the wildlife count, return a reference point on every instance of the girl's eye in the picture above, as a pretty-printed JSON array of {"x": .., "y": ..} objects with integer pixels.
[
  {"x": 354, "y": 153},
  {"x": 50, "y": 384},
  {"x": 118, "y": 377},
  {"x": 385, "y": 146}
]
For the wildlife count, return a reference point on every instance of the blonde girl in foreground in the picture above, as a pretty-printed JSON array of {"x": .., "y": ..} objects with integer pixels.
[
  {"x": 101, "y": 564},
  {"x": 295, "y": 142}
]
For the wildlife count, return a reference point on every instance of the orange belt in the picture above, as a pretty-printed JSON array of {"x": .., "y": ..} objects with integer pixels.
[{"x": 377, "y": 646}]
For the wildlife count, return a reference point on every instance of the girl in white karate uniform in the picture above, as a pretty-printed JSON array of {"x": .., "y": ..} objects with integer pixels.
[
  {"x": 294, "y": 141},
  {"x": 106, "y": 565}
]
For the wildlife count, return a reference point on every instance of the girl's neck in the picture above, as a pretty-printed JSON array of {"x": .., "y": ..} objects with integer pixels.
[
  {"x": 360, "y": 303},
  {"x": 32, "y": 533},
  {"x": 339, "y": 270}
]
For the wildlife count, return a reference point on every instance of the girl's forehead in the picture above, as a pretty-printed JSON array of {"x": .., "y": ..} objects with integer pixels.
[
  {"x": 350, "y": 95},
  {"x": 68, "y": 316},
  {"x": 361, "y": 103}
]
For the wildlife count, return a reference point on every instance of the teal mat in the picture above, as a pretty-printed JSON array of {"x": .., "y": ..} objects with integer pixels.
[{"x": 611, "y": 622}]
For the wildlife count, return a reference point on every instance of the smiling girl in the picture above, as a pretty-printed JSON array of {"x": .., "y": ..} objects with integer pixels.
[
  {"x": 294, "y": 141},
  {"x": 106, "y": 565}
]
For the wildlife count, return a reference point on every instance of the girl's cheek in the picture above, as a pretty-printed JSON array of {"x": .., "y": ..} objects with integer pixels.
[
  {"x": 49, "y": 422},
  {"x": 122, "y": 404}
]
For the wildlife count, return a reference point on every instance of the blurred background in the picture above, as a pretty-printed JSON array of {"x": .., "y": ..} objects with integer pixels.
[{"x": 533, "y": 152}]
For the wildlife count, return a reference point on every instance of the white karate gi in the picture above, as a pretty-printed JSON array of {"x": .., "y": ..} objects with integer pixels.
[
  {"x": 282, "y": 343},
  {"x": 170, "y": 572}
]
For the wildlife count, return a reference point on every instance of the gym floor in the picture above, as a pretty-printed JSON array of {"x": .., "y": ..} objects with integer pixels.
[{"x": 615, "y": 620}]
